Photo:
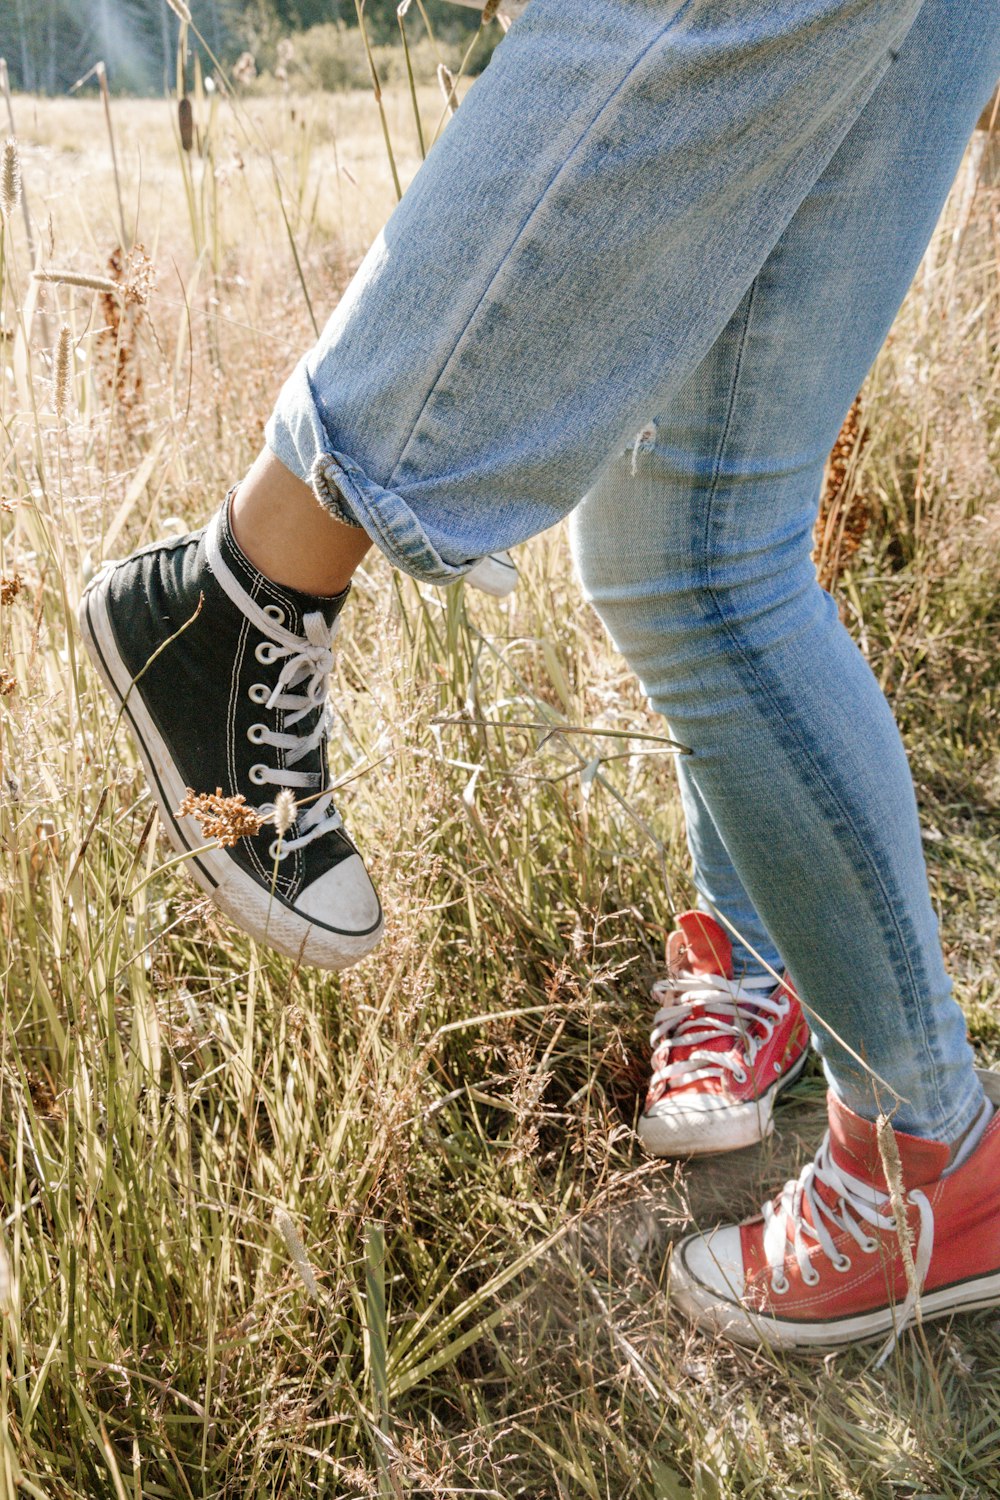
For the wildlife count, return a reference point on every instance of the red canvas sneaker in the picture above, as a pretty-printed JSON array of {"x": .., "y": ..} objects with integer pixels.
[
  {"x": 823, "y": 1265},
  {"x": 723, "y": 1048}
]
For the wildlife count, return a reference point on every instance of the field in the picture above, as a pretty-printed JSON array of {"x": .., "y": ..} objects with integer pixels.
[{"x": 267, "y": 1232}]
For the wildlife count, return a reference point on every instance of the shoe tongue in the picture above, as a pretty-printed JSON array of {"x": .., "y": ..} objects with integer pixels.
[
  {"x": 700, "y": 946},
  {"x": 263, "y": 591},
  {"x": 854, "y": 1148}
]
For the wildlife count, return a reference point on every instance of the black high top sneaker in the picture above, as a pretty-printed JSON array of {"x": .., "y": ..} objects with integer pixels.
[{"x": 233, "y": 695}]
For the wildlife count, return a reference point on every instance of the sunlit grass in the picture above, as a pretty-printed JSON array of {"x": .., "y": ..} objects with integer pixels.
[{"x": 270, "y": 1232}]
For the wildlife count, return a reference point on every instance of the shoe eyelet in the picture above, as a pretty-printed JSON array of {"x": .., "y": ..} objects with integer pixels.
[
  {"x": 278, "y": 851},
  {"x": 740, "y": 1075},
  {"x": 777, "y": 1067},
  {"x": 869, "y": 1246},
  {"x": 274, "y": 613},
  {"x": 780, "y": 1285},
  {"x": 842, "y": 1263},
  {"x": 258, "y": 693},
  {"x": 812, "y": 1280},
  {"x": 265, "y": 652},
  {"x": 256, "y": 733},
  {"x": 258, "y": 775}
]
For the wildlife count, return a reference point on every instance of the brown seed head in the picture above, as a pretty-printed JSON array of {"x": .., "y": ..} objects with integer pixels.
[
  {"x": 8, "y": 683},
  {"x": 185, "y": 122},
  {"x": 138, "y": 276},
  {"x": 10, "y": 587},
  {"x": 10, "y": 177},
  {"x": 226, "y": 819}
]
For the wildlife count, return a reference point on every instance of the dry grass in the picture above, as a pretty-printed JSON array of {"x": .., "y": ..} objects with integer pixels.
[{"x": 266, "y": 1232}]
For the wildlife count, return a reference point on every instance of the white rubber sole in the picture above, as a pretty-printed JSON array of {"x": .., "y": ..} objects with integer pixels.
[
  {"x": 710, "y": 1132},
  {"x": 253, "y": 908},
  {"x": 496, "y": 575},
  {"x": 752, "y": 1329}
]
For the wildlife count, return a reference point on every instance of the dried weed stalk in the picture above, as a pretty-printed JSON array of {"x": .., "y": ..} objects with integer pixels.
[
  {"x": 845, "y": 511},
  {"x": 893, "y": 1169}
]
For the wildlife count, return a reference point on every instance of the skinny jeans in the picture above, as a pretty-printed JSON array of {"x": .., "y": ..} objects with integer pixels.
[{"x": 693, "y": 221}]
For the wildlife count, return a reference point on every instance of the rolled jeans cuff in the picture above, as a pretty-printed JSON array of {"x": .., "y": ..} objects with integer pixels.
[{"x": 297, "y": 436}]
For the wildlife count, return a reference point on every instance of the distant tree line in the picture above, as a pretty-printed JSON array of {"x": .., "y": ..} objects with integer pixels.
[{"x": 50, "y": 44}]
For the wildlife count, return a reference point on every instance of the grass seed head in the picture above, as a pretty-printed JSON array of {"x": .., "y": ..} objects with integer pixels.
[
  {"x": 284, "y": 812},
  {"x": 226, "y": 819},
  {"x": 297, "y": 1251},
  {"x": 62, "y": 370},
  {"x": 10, "y": 177},
  {"x": 8, "y": 683}
]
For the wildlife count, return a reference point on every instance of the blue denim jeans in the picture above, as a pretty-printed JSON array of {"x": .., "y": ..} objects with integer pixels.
[{"x": 698, "y": 217}]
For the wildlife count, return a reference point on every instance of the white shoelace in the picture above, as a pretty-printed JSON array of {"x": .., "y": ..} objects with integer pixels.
[
  {"x": 733, "y": 1009},
  {"x": 307, "y": 667},
  {"x": 855, "y": 1204}
]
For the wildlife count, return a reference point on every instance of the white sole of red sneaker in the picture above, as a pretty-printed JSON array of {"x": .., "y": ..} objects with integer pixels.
[
  {"x": 249, "y": 905},
  {"x": 742, "y": 1327},
  {"x": 711, "y": 1132}
]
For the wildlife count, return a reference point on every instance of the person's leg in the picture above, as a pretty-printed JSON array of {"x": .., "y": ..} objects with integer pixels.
[
  {"x": 699, "y": 562},
  {"x": 697, "y": 557},
  {"x": 570, "y": 250},
  {"x": 286, "y": 535}
]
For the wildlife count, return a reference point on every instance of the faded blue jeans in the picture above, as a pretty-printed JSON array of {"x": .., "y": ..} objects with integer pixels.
[{"x": 701, "y": 214}]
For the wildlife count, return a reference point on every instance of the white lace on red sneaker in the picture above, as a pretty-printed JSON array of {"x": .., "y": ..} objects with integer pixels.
[
  {"x": 722, "y": 1048},
  {"x": 769, "y": 1279},
  {"x": 803, "y": 1215},
  {"x": 714, "y": 1009}
]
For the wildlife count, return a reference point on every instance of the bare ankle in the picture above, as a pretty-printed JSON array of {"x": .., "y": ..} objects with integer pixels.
[{"x": 285, "y": 532}]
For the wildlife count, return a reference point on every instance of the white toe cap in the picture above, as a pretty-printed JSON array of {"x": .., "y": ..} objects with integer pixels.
[
  {"x": 710, "y": 1266},
  {"x": 343, "y": 898},
  {"x": 704, "y": 1124}
]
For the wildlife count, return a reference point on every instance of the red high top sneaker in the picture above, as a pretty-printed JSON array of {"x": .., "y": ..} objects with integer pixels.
[
  {"x": 823, "y": 1266},
  {"x": 723, "y": 1048}
]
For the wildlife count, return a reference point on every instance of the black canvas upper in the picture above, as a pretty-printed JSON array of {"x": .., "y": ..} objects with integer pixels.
[{"x": 192, "y": 652}]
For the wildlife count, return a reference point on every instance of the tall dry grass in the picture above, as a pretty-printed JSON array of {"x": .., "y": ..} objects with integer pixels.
[{"x": 268, "y": 1232}]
